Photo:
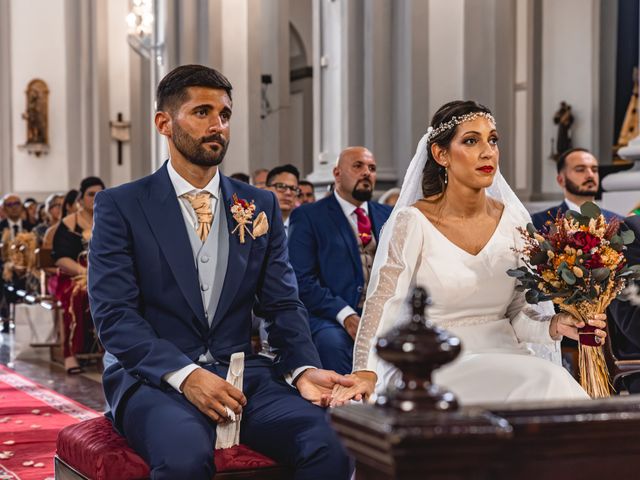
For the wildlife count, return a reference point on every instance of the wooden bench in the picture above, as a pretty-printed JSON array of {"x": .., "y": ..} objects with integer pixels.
[
  {"x": 418, "y": 431},
  {"x": 92, "y": 450}
]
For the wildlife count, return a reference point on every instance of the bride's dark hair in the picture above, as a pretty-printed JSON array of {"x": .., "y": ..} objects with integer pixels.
[{"x": 433, "y": 174}]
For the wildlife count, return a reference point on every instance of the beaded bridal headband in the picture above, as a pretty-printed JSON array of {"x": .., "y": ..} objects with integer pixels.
[{"x": 455, "y": 121}]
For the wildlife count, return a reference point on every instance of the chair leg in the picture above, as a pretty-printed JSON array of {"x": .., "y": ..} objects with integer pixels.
[{"x": 65, "y": 472}]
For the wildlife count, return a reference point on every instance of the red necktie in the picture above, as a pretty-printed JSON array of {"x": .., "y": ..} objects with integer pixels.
[{"x": 364, "y": 226}]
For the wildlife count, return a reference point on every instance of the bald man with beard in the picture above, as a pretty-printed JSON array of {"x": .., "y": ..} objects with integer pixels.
[{"x": 332, "y": 243}]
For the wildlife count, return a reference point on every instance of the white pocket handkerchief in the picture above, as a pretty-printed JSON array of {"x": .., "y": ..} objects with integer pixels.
[{"x": 228, "y": 435}]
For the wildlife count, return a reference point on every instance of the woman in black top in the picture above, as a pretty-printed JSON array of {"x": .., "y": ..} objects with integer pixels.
[{"x": 70, "y": 246}]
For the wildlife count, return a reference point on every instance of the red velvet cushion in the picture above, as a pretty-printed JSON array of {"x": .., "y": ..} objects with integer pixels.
[{"x": 94, "y": 449}]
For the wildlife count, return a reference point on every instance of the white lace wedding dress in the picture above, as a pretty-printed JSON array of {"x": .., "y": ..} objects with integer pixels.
[{"x": 473, "y": 298}]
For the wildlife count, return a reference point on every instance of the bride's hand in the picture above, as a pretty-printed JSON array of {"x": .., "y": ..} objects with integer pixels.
[
  {"x": 363, "y": 387},
  {"x": 567, "y": 325}
]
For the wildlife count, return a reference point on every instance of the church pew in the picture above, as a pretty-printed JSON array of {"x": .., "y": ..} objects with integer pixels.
[{"x": 418, "y": 431}]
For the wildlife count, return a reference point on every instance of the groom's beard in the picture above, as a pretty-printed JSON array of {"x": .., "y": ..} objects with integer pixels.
[{"x": 194, "y": 150}]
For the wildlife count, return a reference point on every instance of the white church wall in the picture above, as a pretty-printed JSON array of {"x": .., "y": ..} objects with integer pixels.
[
  {"x": 37, "y": 42},
  {"x": 570, "y": 73}
]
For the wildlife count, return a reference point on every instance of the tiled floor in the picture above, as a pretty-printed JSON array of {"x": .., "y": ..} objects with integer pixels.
[{"x": 85, "y": 389}]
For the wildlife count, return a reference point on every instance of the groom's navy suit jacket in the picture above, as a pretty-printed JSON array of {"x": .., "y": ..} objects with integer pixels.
[{"x": 145, "y": 293}]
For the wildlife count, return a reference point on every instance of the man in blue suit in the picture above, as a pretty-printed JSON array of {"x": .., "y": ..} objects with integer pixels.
[
  {"x": 332, "y": 244},
  {"x": 578, "y": 177},
  {"x": 625, "y": 314},
  {"x": 174, "y": 273}
]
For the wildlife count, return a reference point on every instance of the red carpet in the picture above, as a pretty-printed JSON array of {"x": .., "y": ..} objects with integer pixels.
[{"x": 30, "y": 418}]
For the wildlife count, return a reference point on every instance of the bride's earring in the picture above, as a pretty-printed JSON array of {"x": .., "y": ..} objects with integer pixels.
[{"x": 446, "y": 175}]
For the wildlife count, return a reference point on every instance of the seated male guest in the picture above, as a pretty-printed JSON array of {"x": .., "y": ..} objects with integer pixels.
[
  {"x": 579, "y": 179},
  {"x": 259, "y": 178},
  {"x": 10, "y": 227},
  {"x": 172, "y": 283},
  {"x": 624, "y": 326},
  {"x": 332, "y": 244},
  {"x": 307, "y": 192},
  {"x": 283, "y": 181},
  {"x": 14, "y": 222}
]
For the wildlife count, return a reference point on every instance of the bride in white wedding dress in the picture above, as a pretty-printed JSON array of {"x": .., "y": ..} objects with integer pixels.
[{"x": 453, "y": 232}]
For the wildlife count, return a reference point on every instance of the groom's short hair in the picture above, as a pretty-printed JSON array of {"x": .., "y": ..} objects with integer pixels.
[{"x": 172, "y": 89}]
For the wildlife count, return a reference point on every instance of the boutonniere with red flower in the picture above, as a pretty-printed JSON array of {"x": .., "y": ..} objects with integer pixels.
[{"x": 243, "y": 212}]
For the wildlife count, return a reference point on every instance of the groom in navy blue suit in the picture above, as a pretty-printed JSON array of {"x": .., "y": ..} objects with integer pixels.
[
  {"x": 332, "y": 244},
  {"x": 172, "y": 283}
]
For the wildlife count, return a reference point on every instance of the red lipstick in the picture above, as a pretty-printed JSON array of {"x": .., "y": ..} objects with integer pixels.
[{"x": 486, "y": 169}]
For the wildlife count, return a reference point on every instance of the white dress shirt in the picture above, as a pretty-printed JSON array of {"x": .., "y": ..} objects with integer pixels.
[
  {"x": 17, "y": 223},
  {"x": 349, "y": 210},
  {"x": 572, "y": 206}
]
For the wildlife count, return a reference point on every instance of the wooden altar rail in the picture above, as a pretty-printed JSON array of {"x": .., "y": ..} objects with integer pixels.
[{"x": 584, "y": 439}]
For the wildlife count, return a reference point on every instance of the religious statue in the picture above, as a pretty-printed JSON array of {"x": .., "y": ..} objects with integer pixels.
[
  {"x": 628, "y": 130},
  {"x": 37, "y": 117},
  {"x": 564, "y": 119}
]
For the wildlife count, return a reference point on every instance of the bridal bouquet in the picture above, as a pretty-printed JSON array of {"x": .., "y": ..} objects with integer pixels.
[{"x": 579, "y": 265}]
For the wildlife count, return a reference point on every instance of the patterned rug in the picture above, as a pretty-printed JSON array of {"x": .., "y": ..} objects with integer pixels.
[{"x": 30, "y": 418}]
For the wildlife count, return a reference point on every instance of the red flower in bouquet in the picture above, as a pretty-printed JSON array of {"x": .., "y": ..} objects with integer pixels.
[
  {"x": 579, "y": 265},
  {"x": 594, "y": 262},
  {"x": 584, "y": 241}
]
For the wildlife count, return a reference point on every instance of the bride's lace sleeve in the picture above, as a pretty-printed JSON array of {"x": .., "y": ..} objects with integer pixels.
[
  {"x": 530, "y": 322},
  {"x": 391, "y": 278}
]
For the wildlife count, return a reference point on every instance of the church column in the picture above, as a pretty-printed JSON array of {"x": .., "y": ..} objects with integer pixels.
[
  {"x": 570, "y": 46},
  {"x": 489, "y": 76},
  {"x": 240, "y": 24},
  {"x": 120, "y": 158},
  {"x": 337, "y": 61},
  {"x": 6, "y": 157},
  {"x": 275, "y": 111},
  {"x": 379, "y": 87},
  {"x": 411, "y": 64},
  {"x": 87, "y": 90}
]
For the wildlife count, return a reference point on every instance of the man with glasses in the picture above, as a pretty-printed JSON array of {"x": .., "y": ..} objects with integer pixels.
[
  {"x": 331, "y": 248},
  {"x": 283, "y": 181},
  {"x": 14, "y": 222}
]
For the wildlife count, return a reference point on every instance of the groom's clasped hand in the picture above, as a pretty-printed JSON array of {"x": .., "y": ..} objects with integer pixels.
[{"x": 212, "y": 395}]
